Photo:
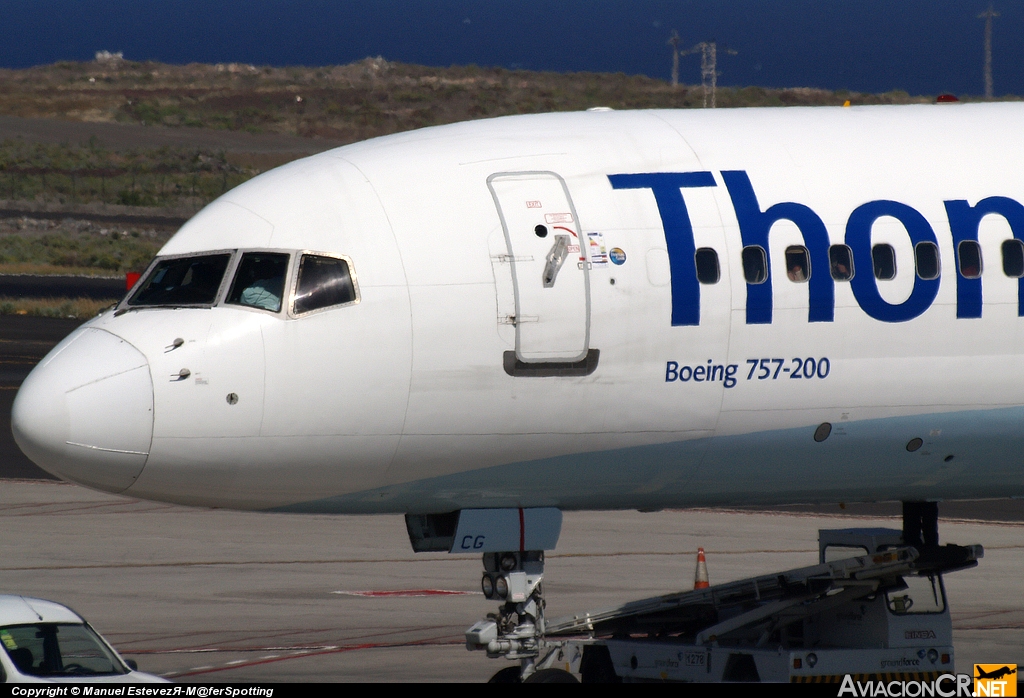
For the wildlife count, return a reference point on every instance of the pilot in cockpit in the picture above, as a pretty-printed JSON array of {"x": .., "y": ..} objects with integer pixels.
[
  {"x": 265, "y": 291},
  {"x": 259, "y": 281}
]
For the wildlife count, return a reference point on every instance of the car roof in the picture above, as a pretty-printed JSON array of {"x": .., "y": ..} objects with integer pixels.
[{"x": 19, "y": 610}]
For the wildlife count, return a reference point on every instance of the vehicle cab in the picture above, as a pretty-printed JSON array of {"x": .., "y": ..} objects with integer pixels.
[{"x": 44, "y": 641}]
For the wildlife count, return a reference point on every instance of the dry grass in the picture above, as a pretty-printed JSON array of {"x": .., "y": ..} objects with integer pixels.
[
  {"x": 83, "y": 174},
  {"x": 352, "y": 102},
  {"x": 54, "y": 270},
  {"x": 345, "y": 103},
  {"x": 78, "y": 308},
  {"x": 70, "y": 245}
]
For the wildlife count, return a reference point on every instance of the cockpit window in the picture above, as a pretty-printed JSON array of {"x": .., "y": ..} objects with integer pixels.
[
  {"x": 182, "y": 281},
  {"x": 259, "y": 281},
  {"x": 323, "y": 281}
]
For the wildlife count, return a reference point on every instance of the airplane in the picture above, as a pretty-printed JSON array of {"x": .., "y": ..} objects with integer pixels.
[
  {"x": 995, "y": 673},
  {"x": 484, "y": 324}
]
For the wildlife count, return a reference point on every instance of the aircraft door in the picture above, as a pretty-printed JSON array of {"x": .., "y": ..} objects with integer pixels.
[{"x": 550, "y": 271}]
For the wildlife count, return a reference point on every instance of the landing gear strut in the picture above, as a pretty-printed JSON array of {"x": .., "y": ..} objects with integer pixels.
[
  {"x": 516, "y": 631},
  {"x": 920, "y": 523}
]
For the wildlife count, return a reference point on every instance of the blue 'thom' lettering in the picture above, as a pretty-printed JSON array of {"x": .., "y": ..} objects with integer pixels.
[
  {"x": 666, "y": 187},
  {"x": 964, "y": 221},
  {"x": 755, "y": 225},
  {"x": 864, "y": 286}
]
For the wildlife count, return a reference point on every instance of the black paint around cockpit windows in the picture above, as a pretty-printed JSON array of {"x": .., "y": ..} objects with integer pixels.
[{"x": 182, "y": 281}]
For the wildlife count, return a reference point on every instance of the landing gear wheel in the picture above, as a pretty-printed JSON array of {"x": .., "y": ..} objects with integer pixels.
[
  {"x": 551, "y": 676},
  {"x": 510, "y": 674}
]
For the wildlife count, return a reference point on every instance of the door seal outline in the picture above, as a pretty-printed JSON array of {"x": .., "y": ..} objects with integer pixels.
[{"x": 584, "y": 356}]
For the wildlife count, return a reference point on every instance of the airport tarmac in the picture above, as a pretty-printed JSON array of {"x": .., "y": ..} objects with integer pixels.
[{"x": 213, "y": 595}]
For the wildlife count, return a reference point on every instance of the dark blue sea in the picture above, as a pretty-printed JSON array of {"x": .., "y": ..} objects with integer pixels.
[{"x": 921, "y": 46}]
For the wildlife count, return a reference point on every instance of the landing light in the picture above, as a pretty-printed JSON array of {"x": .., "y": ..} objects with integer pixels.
[
  {"x": 487, "y": 586},
  {"x": 508, "y": 562},
  {"x": 501, "y": 586}
]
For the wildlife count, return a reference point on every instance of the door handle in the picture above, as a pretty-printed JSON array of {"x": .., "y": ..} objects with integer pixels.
[{"x": 555, "y": 260}]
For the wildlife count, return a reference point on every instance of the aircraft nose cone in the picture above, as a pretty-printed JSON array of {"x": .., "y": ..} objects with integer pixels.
[{"x": 85, "y": 413}]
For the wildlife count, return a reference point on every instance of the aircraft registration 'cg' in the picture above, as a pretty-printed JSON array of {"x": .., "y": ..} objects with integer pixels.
[{"x": 593, "y": 310}]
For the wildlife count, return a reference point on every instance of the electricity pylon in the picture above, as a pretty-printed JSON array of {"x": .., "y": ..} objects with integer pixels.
[
  {"x": 987, "y": 15},
  {"x": 708, "y": 68},
  {"x": 674, "y": 43}
]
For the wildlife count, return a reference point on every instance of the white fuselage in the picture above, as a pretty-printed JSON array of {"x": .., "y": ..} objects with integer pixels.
[{"x": 464, "y": 377}]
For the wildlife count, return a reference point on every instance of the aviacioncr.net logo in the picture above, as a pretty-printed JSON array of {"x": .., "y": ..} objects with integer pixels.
[{"x": 945, "y": 686}]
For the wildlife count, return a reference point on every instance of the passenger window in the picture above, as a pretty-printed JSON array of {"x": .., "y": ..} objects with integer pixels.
[
  {"x": 926, "y": 257},
  {"x": 798, "y": 268},
  {"x": 706, "y": 260},
  {"x": 1013, "y": 258},
  {"x": 883, "y": 258},
  {"x": 755, "y": 264},
  {"x": 970, "y": 259},
  {"x": 323, "y": 282},
  {"x": 182, "y": 281},
  {"x": 840, "y": 262},
  {"x": 259, "y": 281}
]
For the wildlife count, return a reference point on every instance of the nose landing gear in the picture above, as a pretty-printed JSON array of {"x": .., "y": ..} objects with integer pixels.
[{"x": 516, "y": 631}]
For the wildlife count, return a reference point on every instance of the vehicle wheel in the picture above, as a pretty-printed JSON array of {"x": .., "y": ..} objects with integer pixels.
[
  {"x": 551, "y": 676},
  {"x": 509, "y": 674}
]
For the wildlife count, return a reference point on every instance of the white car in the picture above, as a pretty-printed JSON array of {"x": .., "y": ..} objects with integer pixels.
[{"x": 46, "y": 642}]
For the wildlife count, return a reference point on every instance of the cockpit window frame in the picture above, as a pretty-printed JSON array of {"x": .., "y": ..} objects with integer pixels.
[
  {"x": 293, "y": 284},
  {"x": 235, "y": 258},
  {"x": 287, "y": 292},
  {"x": 229, "y": 273}
]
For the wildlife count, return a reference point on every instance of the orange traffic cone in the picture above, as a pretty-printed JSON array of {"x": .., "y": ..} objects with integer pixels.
[{"x": 700, "y": 579}]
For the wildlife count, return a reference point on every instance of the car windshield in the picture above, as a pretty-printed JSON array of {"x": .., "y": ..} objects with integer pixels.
[
  {"x": 182, "y": 281},
  {"x": 64, "y": 649}
]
